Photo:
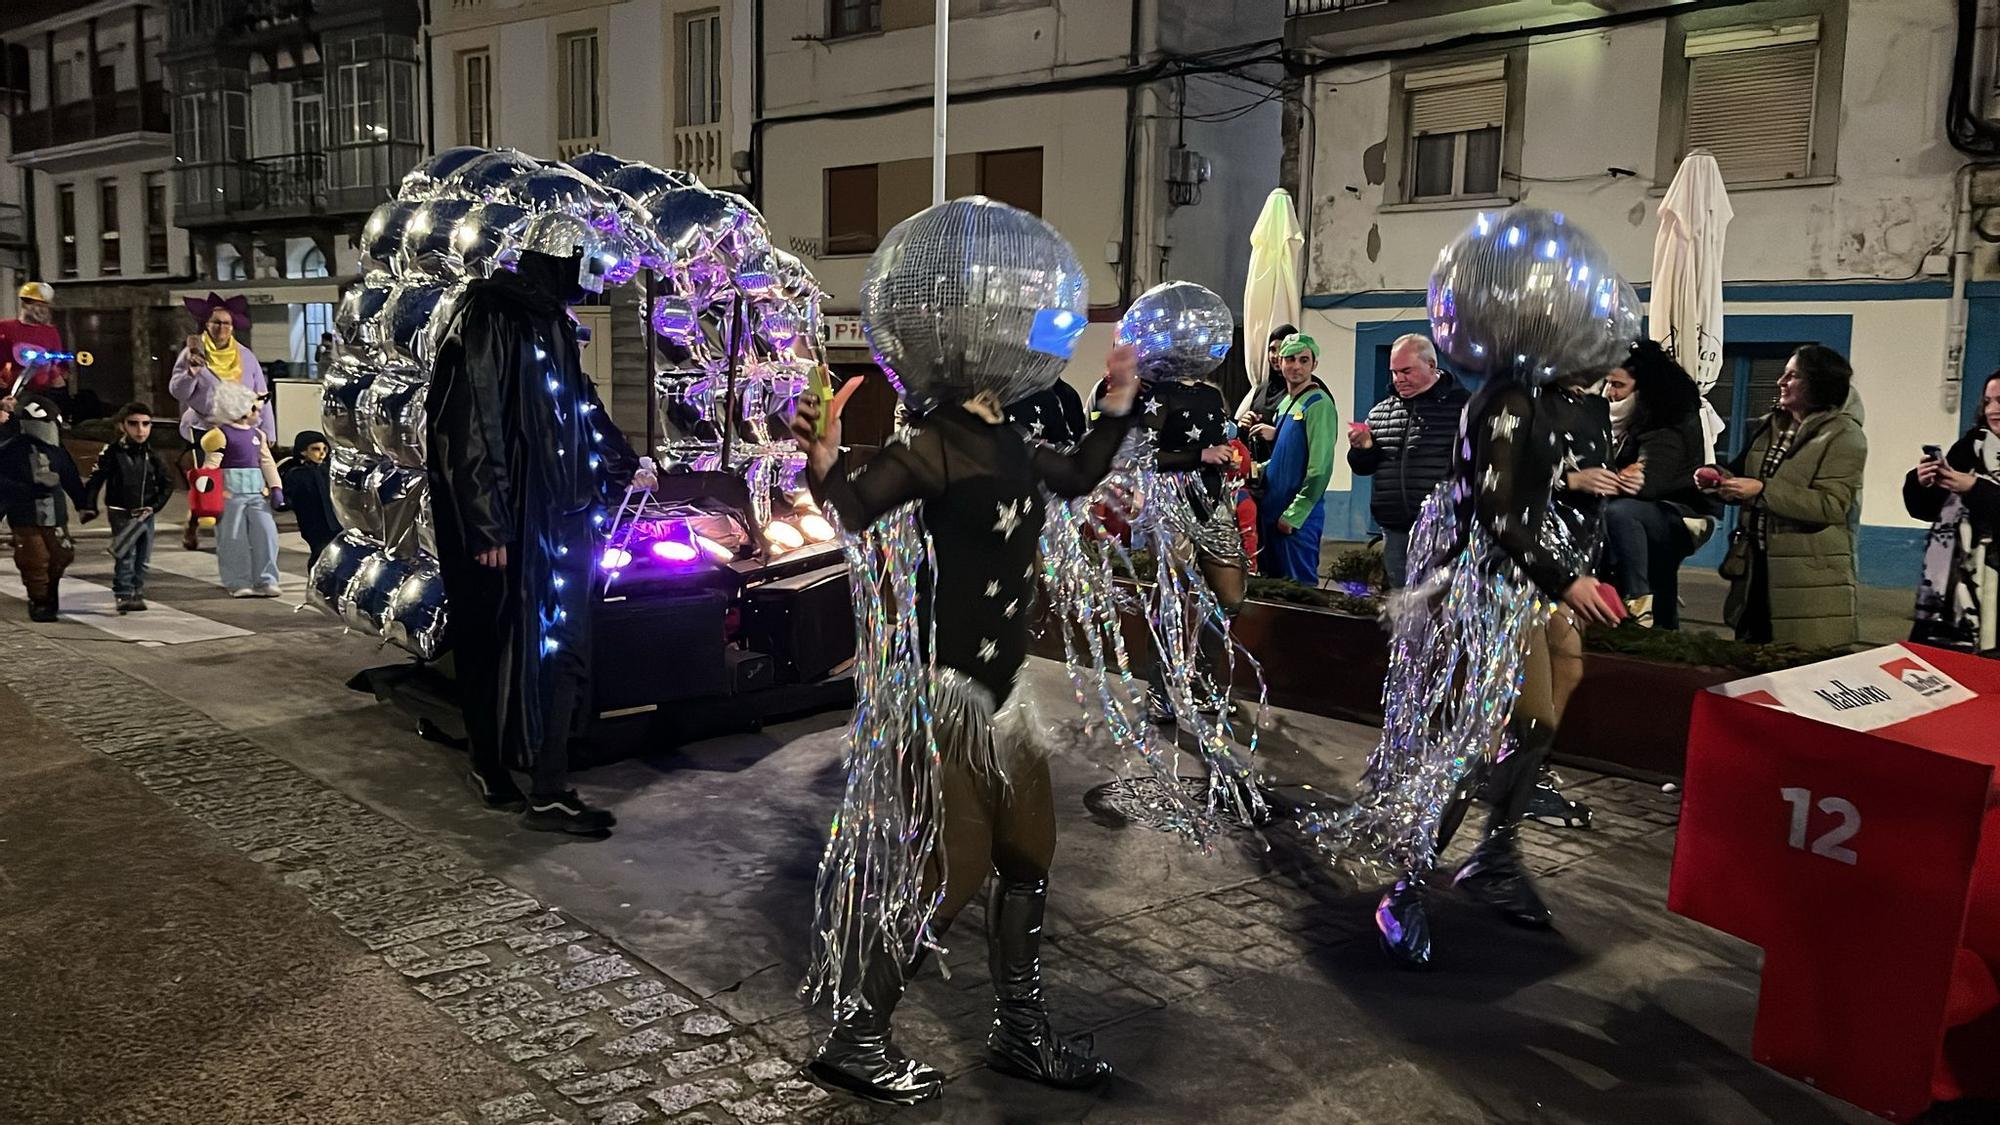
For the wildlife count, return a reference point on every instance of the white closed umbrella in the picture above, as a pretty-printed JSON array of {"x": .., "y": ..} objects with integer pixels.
[
  {"x": 1685, "y": 314},
  {"x": 1271, "y": 291}
]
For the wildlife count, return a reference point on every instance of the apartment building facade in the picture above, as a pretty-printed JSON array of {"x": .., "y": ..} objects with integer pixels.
[
  {"x": 87, "y": 203},
  {"x": 1148, "y": 133},
  {"x": 1828, "y": 118},
  {"x": 292, "y": 120}
]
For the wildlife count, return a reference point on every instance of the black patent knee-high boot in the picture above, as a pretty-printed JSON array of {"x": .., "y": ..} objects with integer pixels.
[
  {"x": 858, "y": 1057},
  {"x": 1403, "y": 918},
  {"x": 1022, "y": 1043},
  {"x": 1494, "y": 873}
]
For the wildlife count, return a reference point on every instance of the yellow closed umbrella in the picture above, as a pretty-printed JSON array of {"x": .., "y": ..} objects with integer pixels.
[{"x": 1271, "y": 291}]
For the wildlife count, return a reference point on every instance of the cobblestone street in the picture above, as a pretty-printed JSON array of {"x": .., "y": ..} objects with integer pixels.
[{"x": 239, "y": 891}]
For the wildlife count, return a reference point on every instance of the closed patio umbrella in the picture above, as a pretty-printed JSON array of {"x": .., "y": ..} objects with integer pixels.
[
  {"x": 1271, "y": 291},
  {"x": 1686, "y": 310}
]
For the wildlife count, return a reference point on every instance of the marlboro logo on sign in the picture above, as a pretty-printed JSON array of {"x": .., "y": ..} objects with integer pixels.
[{"x": 1863, "y": 691}]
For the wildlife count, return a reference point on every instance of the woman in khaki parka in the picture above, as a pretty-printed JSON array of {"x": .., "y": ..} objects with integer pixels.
[{"x": 1798, "y": 485}]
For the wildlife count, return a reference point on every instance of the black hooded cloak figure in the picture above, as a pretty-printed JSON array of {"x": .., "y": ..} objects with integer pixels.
[{"x": 522, "y": 460}]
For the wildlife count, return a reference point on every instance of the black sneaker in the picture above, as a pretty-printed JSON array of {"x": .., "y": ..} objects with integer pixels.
[
  {"x": 566, "y": 812},
  {"x": 138, "y": 604},
  {"x": 43, "y": 612},
  {"x": 1159, "y": 711},
  {"x": 497, "y": 793}
]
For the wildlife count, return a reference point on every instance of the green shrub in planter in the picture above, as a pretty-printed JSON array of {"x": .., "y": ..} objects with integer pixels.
[
  {"x": 1706, "y": 650},
  {"x": 1359, "y": 567}
]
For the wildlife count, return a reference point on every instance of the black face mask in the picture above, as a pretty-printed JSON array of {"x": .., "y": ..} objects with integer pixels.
[{"x": 557, "y": 277}]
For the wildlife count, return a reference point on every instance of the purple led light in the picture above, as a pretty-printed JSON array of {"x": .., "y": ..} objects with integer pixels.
[{"x": 673, "y": 551}]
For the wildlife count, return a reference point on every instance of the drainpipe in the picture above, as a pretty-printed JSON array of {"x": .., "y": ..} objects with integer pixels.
[
  {"x": 1961, "y": 271},
  {"x": 430, "y": 84},
  {"x": 1125, "y": 237}
]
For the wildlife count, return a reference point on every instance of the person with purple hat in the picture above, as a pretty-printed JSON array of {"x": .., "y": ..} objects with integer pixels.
[{"x": 212, "y": 358}]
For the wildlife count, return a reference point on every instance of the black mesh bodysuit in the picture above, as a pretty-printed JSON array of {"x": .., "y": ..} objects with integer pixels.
[
  {"x": 1053, "y": 415},
  {"x": 979, "y": 483},
  {"x": 1519, "y": 443}
]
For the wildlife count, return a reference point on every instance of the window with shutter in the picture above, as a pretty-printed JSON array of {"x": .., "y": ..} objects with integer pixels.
[
  {"x": 1455, "y": 118},
  {"x": 1751, "y": 99}
]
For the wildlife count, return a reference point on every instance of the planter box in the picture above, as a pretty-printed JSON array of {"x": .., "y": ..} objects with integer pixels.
[
  {"x": 1314, "y": 660},
  {"x": 1628, "y": 716}
]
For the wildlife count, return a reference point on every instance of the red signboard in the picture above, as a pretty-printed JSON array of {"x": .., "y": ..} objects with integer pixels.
[{"x": 1866, "y": 863}]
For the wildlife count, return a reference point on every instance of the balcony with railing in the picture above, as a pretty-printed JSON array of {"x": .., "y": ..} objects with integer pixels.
[
  {"x": 239, "y": 23},
  {"x": 47, "y": 134},
  {"x": 1328, "y": 7},
  {"x": 345, "y": 180},
  {"x": 13, "y": 225},
  {"x": 703, "y": 152},
  {"x": 1341, "y": 27}
]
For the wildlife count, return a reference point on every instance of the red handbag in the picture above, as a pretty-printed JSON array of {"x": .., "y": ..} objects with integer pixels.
[{"x": 205, "y": 494}]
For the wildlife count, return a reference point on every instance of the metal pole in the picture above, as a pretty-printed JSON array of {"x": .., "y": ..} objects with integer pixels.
[{"x": 940, "y": 64}]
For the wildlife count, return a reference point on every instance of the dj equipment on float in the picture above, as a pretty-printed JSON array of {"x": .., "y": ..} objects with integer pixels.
[{"x": 804, "y": 622}]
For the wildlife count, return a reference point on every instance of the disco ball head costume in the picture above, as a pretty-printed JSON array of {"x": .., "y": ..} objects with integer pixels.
[
  {"x": 1530, "y": 302},
  {"x": 967, "y": 305},
  {"x": 1181, "y": 508}
]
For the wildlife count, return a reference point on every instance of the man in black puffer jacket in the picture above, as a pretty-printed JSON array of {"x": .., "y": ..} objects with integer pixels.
[{"x": 1406, "y": 445}]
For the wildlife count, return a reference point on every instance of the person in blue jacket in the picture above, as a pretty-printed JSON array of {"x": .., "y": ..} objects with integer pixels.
[{"x": 1292, "y": 509}]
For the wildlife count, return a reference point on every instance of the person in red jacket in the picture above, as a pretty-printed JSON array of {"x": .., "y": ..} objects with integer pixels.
[{"x": 33, "y": 331}]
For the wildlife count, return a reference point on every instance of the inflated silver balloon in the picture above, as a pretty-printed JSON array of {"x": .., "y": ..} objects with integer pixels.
[
  {"x": 479, "y": 236},
  {"x": 393, "y": 409},
  {"x": 354, "y": 318},
  {"x": 685, "y": 216},
  {"x": 342, "y": 388},
  {"x": 421, "y": 182},
  {"x": 674, "y": 319},
  {"x": 351, "y": 479},
  {"x": 597, "y": 164},
  {"x": 404, "y": 496},
  {"x": 556, "y": 186},
  {"x": 438, "y": 327},
  {"x": 1526, "y": 293},
  {"x": 382, "y": 234},
  {"x": 1180, "y": 330},
  {"x": 415, "y": 621},
  {"x": 482, "y": 176},
  {"x": 970, "y": 296},
  {"x": 406, "y": 315},
  {"x": 326, "y": 586},
  {"x": 647, "y": 185},
  {"x": 371, "y": 589},
  {"x": 428, "y": 239}
]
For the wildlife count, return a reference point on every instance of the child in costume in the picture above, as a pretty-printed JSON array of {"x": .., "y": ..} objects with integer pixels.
[
  {"x": 37, "y": 476},
  {"x": 246, "y": 537},
  {"x": 970, "y": 305},
  {"x": 136, "y": 485},
  {"x": 309, "y": 491}
]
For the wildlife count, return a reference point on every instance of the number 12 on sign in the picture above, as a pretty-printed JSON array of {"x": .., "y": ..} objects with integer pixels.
[{"x": 1828, "y": 843}]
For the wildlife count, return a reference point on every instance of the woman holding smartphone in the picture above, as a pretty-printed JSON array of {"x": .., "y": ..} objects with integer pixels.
[
  {"x": 1797, "y": 481},
  {"x": 1958, "y": 598}
]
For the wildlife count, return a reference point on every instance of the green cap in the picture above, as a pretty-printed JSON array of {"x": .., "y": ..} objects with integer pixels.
[{"x": 1298, "y": 342}]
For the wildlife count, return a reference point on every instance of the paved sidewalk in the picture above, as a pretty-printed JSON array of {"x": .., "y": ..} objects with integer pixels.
[{"x": 652, "y": 978}]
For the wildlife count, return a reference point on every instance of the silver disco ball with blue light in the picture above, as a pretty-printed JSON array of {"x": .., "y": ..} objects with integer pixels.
[
  {"x": 1526, "y": 294},
  {"x": 971, "y": 296},
  {"x": 1179, "y": 330}
]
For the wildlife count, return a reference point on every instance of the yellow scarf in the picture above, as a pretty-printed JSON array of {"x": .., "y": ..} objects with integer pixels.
[{"x": 225, "y": 361}]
